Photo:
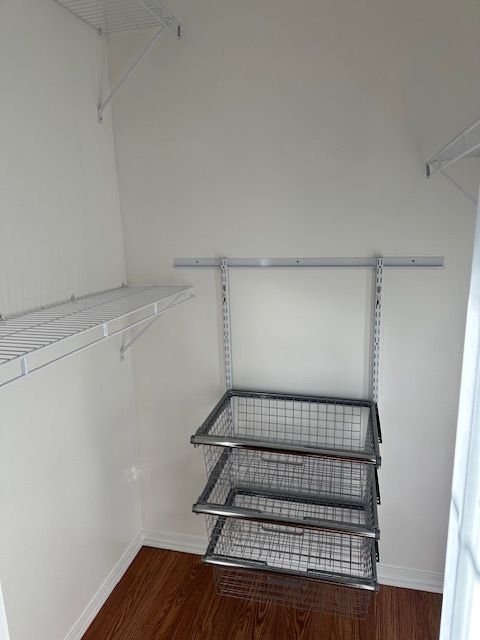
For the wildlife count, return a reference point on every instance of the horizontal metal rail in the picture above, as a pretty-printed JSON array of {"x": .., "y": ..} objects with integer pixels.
[
  {"x": 259, "y": 516},
  {"x": 272, "y": 447},
  {"x": 409, "y": 261}
]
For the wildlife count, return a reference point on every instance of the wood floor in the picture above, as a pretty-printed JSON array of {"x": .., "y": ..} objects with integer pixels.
[{"x": 169, "y": 595}]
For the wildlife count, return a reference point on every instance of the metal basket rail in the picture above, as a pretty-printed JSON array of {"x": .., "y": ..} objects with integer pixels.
[
  {"x": 336, "y": 558},
  {"x": 310, "y": 492},
  {"x": 294, "y": 424},
  {"x": 300, "y": 593}
]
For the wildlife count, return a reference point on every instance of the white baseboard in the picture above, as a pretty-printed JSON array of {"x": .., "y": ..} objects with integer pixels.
[
  {"x": 175, "y": 541},
  {"x": 99, "y": 599},
  {"x": 387, "y": 574},
  {"x": 410, "y": 578}
]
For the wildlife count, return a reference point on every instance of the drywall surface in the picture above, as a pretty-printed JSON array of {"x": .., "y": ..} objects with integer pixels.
[
  {"x": 59, "y": 227},
  {"x": 287, "y": 130},
  {"x": 69, "y": 488}
]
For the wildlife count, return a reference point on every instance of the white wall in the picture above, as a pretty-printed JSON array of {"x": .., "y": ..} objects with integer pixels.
[
  {"x": 275, "y": 129},
  {"x": 60, "y": 231},
  {"x": 69, "y": 489}
]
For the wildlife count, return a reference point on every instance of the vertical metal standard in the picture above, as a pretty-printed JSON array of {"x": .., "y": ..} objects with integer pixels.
[
  {"x": 378, "y": 263},
  {"x": 227, "y": 330},
  {"x": 377, "y": 327}
]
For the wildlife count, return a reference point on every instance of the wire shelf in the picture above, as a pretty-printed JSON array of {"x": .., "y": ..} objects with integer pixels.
[
  {"x": 33, "y": 340},
  {"x": 294, "y": 424},
  {"x": 465, "y": 145},
  {"x": 109, "y": 16},
  {"x": 292, "y": 592},
  {"x": 317, "y": 492},
  {"x": 338, "y": 558}
]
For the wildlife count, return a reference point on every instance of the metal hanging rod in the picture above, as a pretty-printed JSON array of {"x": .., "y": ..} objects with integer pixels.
[
  {"x": 465, "y": 145},
  {"x": 409, "y": 261}
]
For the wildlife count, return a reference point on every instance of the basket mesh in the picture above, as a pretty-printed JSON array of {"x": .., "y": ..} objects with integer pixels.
[
  {"x": 292, "y": 487},
  {"x": 292, "y": 592},
  {"x": 315, "y": 553},
  {"x": 341, "y": 425}
]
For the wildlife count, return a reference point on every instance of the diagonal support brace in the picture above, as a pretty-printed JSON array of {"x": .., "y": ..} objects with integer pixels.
[
  {"x": 458, "y": 186},
  {"x": 104, "y": 103},
  {"x": 147, "y": 322},
  {"x": 128, "y": 344}
]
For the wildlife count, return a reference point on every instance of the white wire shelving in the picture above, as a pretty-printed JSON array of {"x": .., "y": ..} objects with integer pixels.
[
  {"x": 111, "y": 16},
  {"x": 465, "y": 145},
  {"x": 34, "y": 340}
]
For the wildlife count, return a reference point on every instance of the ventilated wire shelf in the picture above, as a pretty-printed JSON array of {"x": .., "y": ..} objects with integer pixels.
[
  {"x": 292, "y": 592},
  {"x": 340, "y": 495},
  {"x": 109, "y": 16},
  {"x": 337, "y": 558},
  {"x": 33, "y": 340},
  {"x": 465, "y": 145},
  {"x": 294, "y": 424}
]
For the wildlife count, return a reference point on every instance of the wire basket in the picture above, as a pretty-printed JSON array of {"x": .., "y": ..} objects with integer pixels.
[
  {"x": 309, "y": 491},
  {"x": 291, "y": 499},
  {"x": 294, "y": 424},
  {"x": 338, "y": 558},
  {"x": 292, "y": 592}
]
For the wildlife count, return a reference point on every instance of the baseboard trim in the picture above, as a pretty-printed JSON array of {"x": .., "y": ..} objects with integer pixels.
[
  {"x": 99, "y": 599},
  {"x": 410, "y": 578},
  {"x": 387, "y": 574},
  {"x": 175, "y": 541}
]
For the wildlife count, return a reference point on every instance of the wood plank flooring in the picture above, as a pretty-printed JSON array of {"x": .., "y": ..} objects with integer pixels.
[{"x": 171, "y": 596}]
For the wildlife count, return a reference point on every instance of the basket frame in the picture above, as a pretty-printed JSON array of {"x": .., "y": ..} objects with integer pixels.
[
  {"x": 204, "y": 437},
  {"x": 212, "y": 558},
  {"x": 228, "y": 508}
]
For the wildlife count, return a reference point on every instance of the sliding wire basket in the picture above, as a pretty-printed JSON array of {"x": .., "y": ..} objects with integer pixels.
[
  {"x": 291, "y": 499},
  {"x": 294, "y": 424},
  {"x": 335, "y": 558},
  {"x": 338, "y": 495},
  {"x": 300, "y": 593}
]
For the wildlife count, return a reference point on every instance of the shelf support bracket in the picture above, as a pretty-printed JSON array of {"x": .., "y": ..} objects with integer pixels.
[
  {"x": 24, "y": 366},
  {"x": 138, "y": 335},
  {"x": 458, "y": 186},
  {"x": 147, "y": 322},
  {"x": 104, "y": 103}
]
